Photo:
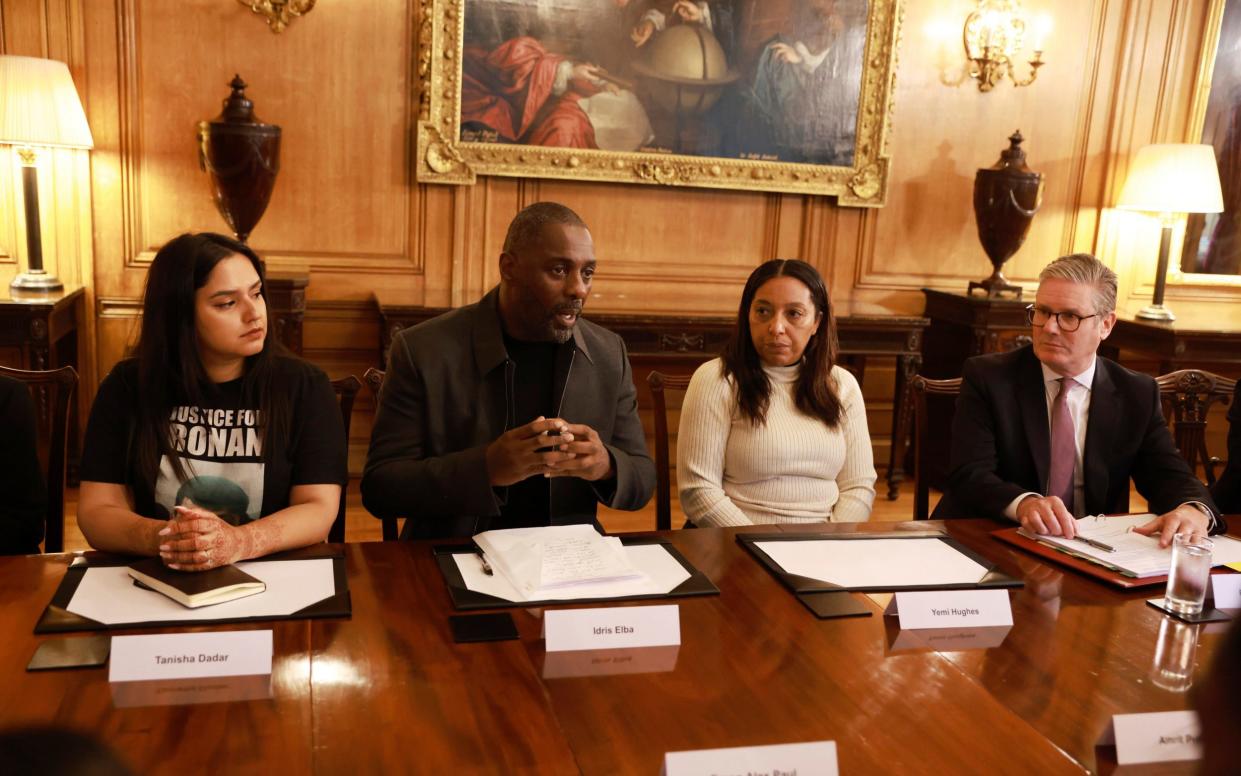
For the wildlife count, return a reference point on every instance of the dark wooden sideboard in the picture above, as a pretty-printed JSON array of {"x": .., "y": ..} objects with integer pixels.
[
  {"x": 286, "y": 304},
  {"x": 679, "y": 344},
  {"x": 1192, "y": 341}
]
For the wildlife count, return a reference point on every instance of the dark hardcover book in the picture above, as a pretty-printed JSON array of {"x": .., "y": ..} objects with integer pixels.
[{"x": 193, "y": 589}]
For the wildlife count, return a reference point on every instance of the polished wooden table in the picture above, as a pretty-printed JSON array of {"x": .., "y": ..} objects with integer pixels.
[
  {"x": 679, "y": 344},
  {"x": 388, "y": 690}
]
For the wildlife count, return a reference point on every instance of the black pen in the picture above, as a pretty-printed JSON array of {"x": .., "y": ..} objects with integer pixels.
[
  {"x": 1096, "y": 543},
  {"x": 483, "y": 560}
]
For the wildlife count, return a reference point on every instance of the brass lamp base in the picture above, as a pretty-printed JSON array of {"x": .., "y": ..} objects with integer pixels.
[
  {"x": 37, "y": 280},
  {"x": 1155, "y": 312}
]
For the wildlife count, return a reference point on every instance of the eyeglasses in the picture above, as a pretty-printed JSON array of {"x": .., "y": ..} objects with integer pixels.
[{"x": 1037, "y": 316}]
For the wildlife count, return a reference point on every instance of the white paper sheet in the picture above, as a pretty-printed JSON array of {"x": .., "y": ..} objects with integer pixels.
[
  {"x": 1138, "y": 555},
  {"x": 109, "y": 595},
  {"x": 662, "y": 574},
  {"x": 875, "y": 562}
]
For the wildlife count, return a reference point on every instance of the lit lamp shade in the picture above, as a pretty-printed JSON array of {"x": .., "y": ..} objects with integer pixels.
[
  {"x": 1173, "y": 178},
  {"x": 39, "y": 106}
]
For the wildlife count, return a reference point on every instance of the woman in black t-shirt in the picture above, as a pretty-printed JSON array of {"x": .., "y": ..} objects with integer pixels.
[{"x": 211, "y": 425}]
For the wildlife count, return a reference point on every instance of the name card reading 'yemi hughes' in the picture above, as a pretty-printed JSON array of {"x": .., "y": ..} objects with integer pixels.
[
  {"x": 953, "y": 609},
  {"x": 618, "y": 627},
  {"x": 190, "y": 655}
]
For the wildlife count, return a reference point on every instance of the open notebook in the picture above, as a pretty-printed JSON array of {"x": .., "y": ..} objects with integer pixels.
[
  {"x": 1132, "y": 554},
  {"x": 540, "y": 561}
]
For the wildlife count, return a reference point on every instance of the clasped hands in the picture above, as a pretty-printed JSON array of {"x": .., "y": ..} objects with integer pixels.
[
  {"x": 196, "y": 540},
  {"x": 551, "y": 447},
  {"x": 1048, "y": 515}
]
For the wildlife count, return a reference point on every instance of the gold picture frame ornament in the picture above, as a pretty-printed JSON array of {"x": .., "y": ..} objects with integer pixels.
[{"x": 445, "y": 159}]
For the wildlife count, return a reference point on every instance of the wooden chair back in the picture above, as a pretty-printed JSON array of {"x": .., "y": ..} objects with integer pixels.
[
  {"x": 346, "y": 392},
  {"x": 52, "y": 392},
  {"x": 923, "y": 387},
  {"x": 658, "y": 382},
  {"x": 374, "y": 379},
  {"x": 1187, "y": 396}
]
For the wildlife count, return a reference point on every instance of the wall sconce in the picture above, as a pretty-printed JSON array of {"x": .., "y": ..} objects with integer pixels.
[
  {"x": 993, "y": 36},
  {"x": 279, "y": 12}
]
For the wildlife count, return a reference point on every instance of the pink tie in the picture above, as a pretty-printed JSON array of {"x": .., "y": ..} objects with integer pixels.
[{"x": 1063, "y": 446}]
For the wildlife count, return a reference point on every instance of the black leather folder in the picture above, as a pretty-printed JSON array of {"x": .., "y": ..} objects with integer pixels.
[
  {"x": 56, "y": 618},
  {"x": 800, "y": 585},
  {"x": 465, "y": 599}
]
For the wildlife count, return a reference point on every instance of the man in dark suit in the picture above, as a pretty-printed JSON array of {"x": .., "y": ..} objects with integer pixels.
[
  {"x": 1227, "y": 490},
  {"x": 1050, "y": 432},
  {"x": 513, "y": 411}
]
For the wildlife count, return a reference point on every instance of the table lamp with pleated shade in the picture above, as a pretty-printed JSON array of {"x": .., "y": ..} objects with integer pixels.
[
  {"x": 1171, "y": 178},
  {"x": 39, "y": 108}
]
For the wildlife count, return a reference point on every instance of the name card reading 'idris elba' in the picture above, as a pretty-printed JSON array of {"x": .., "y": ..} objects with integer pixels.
[
  {"x": 953, "y": 609},
  {"x": 612, "y": 628},
  {"x": 190, "y": 655},
  {"x": 815, "y": 758}
]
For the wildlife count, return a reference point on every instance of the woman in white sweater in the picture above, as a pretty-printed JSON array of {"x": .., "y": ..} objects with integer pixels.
[{"x": 774, "y": 431}]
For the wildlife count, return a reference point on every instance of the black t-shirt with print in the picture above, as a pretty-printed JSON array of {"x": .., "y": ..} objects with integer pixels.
[{"x": 220, "y": 445}]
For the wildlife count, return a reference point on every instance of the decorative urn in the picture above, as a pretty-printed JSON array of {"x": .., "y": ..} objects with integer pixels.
[
  {"x": 1006, "y": 197},
  {"x": 242, "y": 156}
]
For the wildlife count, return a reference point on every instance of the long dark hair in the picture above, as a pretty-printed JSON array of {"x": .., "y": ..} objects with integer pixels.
[
  {"x": 169, "y": 369},
  {"x": 815, "y": 394}
]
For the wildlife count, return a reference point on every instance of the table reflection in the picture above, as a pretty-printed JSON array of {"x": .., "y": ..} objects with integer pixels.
[{"x": 1173, "y": 665}]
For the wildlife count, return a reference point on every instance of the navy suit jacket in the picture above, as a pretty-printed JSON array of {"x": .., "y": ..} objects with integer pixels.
[
  {"x": 1227, "y": 490},
  {"x": 1001, "y": 441}
]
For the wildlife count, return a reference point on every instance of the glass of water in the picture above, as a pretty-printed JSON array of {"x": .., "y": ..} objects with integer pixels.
[{"x": 1191, "y": 570}]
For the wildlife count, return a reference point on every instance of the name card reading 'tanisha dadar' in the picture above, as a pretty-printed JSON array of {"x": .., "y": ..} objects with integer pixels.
[
  {"x": 953, "y": 609},
  {"x": 190, "y": 655},
  {"x": 614, "y": 628},
  {"x": 814, "y": 758}
]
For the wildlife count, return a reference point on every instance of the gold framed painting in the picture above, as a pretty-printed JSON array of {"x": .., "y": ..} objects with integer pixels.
[
  {"x": 767, "y": 95},
  {"x": 1211, "y": 250}
]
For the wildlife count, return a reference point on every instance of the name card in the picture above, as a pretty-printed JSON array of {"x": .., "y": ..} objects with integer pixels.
[
  {"x": 953, "y": 609},
  {"x": 1227, "y": 590},
  {"x": 610, "y": 662},
  {"x": 816, "y": 758},
  {"x": 1157, "y": 737},
  {"x": 951, "y": 639},
  {"x": 190, "y": 655},
  {"x": 614, "y": 628}
]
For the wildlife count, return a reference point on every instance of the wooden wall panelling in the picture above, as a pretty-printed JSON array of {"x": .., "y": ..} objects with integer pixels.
[
  {"x": 54, "y": 30},
  {"x": 345, "y": 206},
  {"x": 927, "y": 236},
  {"x": 341, "y": 84}
]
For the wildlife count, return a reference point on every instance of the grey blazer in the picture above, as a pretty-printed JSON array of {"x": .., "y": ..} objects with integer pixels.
[{"x": 449, "y": 393}]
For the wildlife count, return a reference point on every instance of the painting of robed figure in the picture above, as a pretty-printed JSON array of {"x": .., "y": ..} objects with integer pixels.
[{"x": 679, "y": 86}]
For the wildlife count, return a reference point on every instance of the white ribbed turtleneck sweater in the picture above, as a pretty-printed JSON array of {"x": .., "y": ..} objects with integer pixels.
[{"x": 792, "y": 469}]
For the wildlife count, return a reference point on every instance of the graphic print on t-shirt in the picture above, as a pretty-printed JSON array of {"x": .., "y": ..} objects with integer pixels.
[{"x": 221, "y": 451}]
